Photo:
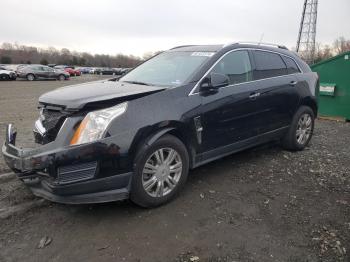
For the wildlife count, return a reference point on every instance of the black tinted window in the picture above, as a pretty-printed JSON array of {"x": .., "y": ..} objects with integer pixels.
[
  {"x": 292, "y": 67},
  {"x": 236, "y": 65},
  {"x": 268, "y": 64}
]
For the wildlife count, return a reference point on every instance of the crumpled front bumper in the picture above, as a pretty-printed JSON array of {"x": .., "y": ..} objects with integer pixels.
[{"x": 70, "y": 174}]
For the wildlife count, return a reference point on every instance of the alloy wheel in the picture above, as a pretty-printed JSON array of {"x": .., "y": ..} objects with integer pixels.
[
  {"x": 304, "y": 129},
  {"x": 30, "y": 77},
  {"x": 162, "y": 172}
]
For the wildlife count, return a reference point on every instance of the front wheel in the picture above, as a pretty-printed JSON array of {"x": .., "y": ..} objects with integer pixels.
[
  {"x": 300, "y": 130},
  {"x": 4, "y": 77},
  {"x": 160, "y": 171}
]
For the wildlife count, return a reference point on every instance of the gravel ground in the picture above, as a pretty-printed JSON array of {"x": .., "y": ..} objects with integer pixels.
[{"x": 264, "y": 204}]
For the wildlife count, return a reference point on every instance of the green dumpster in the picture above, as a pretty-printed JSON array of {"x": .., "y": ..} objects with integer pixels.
[{"x": 334, "y": 92}]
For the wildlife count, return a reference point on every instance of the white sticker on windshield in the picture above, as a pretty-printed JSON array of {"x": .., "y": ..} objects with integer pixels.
[
  {"x": 176, "y": 82},
  {"x": 209, "y": 54}
]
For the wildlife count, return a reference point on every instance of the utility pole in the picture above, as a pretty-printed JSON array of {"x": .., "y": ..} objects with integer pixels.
[{"x": 306, "y": 44}]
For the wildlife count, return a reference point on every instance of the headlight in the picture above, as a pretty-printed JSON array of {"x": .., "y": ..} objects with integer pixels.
[{"x": 95, "y": 123}]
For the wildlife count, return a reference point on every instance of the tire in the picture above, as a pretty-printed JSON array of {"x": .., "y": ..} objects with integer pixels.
[
  {"x": 4, "y": 77},
  {"x": 30, "y": 77},
  {"x": 171, "y": 176},
  {"x": 300, "y": 130},
  {"x": 61, "y": 78}
]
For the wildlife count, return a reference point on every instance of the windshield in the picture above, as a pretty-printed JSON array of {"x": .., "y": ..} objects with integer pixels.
[{"x": 167, "y": 69}]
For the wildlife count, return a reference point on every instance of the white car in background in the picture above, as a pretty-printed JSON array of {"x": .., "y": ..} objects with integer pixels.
[{"x": 6, "y": 74}]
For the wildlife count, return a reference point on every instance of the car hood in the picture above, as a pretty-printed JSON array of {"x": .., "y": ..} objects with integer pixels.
[{"x": 77, "y": 96}]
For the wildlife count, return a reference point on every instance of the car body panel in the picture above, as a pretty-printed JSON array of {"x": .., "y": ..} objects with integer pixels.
[{"x": 77, "y": 96}]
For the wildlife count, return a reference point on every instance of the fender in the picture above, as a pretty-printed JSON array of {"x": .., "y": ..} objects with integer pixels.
[
  {"x": 311, "y": 102},
  {"x": 154, "y": 137}
]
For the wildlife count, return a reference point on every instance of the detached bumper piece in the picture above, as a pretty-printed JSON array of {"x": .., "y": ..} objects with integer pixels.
[{"x": 67, "y": 174}]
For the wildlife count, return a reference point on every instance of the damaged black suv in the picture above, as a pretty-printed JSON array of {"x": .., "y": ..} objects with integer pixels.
[{"x": 138, "y": 136}]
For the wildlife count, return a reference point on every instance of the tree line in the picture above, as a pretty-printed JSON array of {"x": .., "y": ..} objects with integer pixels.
[
  {"x": 22, "y": 54},
  {"x": 323, "y": 52}
]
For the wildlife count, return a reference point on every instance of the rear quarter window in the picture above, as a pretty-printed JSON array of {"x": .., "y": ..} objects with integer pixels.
[
  {"x": 268, "y": 65},
  {"x": 292, "y": 67}
]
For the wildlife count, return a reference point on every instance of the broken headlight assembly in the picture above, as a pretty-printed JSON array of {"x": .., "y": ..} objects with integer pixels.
[{"x": 94, "y": 125}]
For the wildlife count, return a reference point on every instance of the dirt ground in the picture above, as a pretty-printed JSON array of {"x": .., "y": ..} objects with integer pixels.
[{"x": 264, "y": 204}]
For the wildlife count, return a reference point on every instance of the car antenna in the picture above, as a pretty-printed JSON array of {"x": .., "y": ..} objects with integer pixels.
[{"x": 261, "y": 38}]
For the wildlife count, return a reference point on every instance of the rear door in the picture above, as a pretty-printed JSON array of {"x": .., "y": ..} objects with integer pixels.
[
  {"x": 50, "y": 72},
  {"x": 276, "y": 93},
  {"x": 41, "y": 72}
]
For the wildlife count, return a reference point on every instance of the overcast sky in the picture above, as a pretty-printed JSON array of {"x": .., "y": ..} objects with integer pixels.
[{"x": 139, "y": 26}]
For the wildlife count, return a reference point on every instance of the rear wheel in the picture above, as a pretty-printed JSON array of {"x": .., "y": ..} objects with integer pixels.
[
  {"x": 301, "y": 129},
  {"x": 30, "y": 77},
  {"x": 61, "y": 77},
  {"x": 160, "y": 171}
]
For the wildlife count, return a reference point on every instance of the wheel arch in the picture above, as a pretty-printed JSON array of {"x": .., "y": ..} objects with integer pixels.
[
  {"x": 310, "y": 102},
  {"x": 31, "y": 74},
  {"x": 147, "y": 136},
  {"x": 58, "y": 77}
]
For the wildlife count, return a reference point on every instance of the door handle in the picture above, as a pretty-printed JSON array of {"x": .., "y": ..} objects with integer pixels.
[
  {"x": 253, "y": 96},
  {"x": 293, "y": 83}
]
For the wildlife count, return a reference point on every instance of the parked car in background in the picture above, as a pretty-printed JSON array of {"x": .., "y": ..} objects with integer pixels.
[
  {"x": 105, "y": 71},
  {"x": 138, "y": 137},
  {"x": 6, "y": 74},
  {"x": 69, "y": 69},
  {"x": 123, "y": 71},
  {"x": 36, "y": 72},
  {"x": 111, "y": 71},
  {"x": 84, "y": 70},
  {"x": 92, "y": 70}
]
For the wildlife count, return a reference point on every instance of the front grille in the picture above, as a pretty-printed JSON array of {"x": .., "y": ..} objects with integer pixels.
[
  {"x": 52, "y": 121},
  {"x": 77, "y": 172},
  {"x": 50, "y": 118}
]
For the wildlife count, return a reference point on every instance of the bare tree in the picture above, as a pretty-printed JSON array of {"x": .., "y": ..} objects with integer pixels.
[
  {"x": 20, "y": 54},
  {"x": 341, "y": 45}
]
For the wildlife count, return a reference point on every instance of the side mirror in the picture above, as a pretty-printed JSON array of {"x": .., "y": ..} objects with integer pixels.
[{"x": 214, "y": 81}]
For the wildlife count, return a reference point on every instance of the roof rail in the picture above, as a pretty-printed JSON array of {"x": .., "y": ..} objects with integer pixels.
[
  {"x": 180, "y": 46},
  {"x": 258, "y": 43}
]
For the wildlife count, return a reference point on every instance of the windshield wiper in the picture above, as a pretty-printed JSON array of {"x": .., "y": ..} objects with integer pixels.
[{"x": 137, "y": 83}]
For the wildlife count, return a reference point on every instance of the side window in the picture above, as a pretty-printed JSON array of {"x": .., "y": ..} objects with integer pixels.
[
  {"x": 47, "y": 69},
  {"x": 268, "y": 64},
  {"x": 236, "y": 65},
  {"x": 292, "y": 67}
]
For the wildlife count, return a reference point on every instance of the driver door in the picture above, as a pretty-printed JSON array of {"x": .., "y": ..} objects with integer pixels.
[{"x": 230, "y": 115}]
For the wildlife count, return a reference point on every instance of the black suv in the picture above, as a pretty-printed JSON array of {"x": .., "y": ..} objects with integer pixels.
[{"x": 137, "y": 137}]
